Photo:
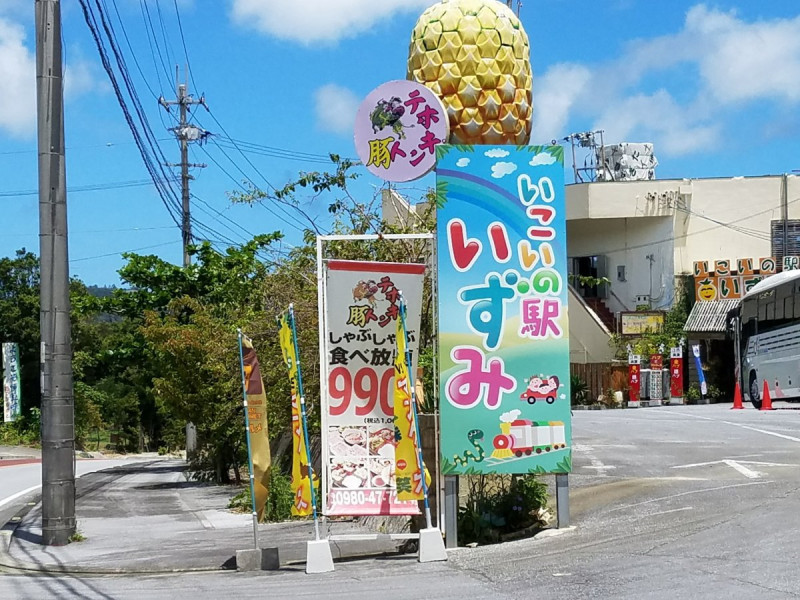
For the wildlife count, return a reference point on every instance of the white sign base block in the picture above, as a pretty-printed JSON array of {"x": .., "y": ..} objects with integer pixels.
[
  {"x": 655, "y": 402},
  {"x": 633, "y": 404},
  {"x": 676, "y": 401},
  {"x": 431, "y": 545},
  {"x": 318, "y": 557}
]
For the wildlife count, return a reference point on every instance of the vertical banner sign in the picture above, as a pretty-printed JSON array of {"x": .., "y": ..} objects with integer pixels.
[
  {"x": 362, "y": 306},
  {"x": 676, "y": 373},
  {"x": 11, "y": 382},
  {"x": 301, "y": 482},
  {"x": 656, "y": 382},
  {"x": 700, "y": 375},
  {"x": 257, "y": 423},
  {"x": 408, "y": 471},
  {"x": 634, "y": 380},
  {"x": 504, "y": 333}
]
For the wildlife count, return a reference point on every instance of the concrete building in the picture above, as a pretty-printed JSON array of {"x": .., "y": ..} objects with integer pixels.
[{"x": 642, "y": 235}]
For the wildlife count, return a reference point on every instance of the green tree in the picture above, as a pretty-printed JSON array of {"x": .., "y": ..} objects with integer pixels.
[{"x": 19, "y": 320}]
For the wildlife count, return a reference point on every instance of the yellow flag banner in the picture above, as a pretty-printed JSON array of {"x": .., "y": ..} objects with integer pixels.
[
  {"x": 408, "y": 474},
  {"x": 257, "y": 423},
  {"x": 301, "y": 484}
]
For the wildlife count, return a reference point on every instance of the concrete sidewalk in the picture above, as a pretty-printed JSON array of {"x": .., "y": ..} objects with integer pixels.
[{"x": 149, "y": 518}]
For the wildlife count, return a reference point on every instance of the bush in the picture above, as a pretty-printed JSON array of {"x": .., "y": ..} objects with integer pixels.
[
  {"x": 279, "y": 501},
  {"x": 499, "y": 504},
  {"x": 579, "y": 390}
]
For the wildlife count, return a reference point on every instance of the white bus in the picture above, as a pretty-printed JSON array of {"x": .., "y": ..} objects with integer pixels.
[{"x": 766, "y": 328}]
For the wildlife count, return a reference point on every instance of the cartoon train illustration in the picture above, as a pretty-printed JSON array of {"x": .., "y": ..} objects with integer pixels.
[{"x": 526, "y": 437}]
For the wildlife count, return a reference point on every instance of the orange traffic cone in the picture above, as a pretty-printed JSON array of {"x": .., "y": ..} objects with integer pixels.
[
  {"x": 737, "y": 397},
  {"x": 766, "y": 401}
]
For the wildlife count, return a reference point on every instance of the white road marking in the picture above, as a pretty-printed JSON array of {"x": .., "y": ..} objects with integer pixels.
[
  {"x": 597, "y": 464},
  {"x": 714, "y": 489},
  {"x": 18, "y": 494},
  {"x": 674, "y": 510},
  {"x": 738, "y": 465},
  {"x": 750, "y": 474},
  {"x": 600, "y": 467},
  {"x": 764, "y": 431}
]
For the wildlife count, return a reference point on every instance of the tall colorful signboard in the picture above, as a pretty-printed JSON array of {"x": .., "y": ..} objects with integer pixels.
[
  {"x": 11, "y": 382},
  {"x": 503, "y": 327},
  {"x": 362, "y": 306}
]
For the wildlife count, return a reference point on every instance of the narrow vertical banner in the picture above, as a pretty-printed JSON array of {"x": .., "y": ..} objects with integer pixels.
[
  {"x": 301, "y": 482},
  {"x": 503, "y": 325},
  {"x": 11, "y": 382},
  {"x": 361, "y": 307},
  {"x": 408, "y": 471},
  {"x": 257, "y": 424},
  {"x": 701, "y": 376}
]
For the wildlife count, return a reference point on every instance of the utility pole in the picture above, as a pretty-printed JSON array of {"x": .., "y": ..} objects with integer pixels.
[
  {"x": 58, "y": 423},
  {"x": 185, "y": 133}
]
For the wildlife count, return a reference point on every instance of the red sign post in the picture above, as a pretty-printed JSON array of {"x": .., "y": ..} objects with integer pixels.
[
  {"x": 676, "y": 376},
  {"x": 634, "y": 380}
]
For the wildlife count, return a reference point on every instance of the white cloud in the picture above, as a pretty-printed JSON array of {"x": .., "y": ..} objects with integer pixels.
[
  {"x": 720, "y": 64},
  {"x": 746, "y": 61},
  {"x": 658, "y": 116},
  {"x": 335, "y": 107},
  {"x": 496, "y": 153},
  {"x": 555, "y": 94},
  {"x": 315, "y": 21},
  {"x": 17, "y": 72},
  {"x": 543, "y": 158},
  {"x": 462, "y": 162},
  {"x": 501, "y": 169}
]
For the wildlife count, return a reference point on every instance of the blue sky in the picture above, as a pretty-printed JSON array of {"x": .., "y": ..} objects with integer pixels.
[{"x": 715, "y": 86}]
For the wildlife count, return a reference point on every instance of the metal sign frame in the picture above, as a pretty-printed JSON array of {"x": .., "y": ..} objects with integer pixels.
[{"x": 322, "y": 320}]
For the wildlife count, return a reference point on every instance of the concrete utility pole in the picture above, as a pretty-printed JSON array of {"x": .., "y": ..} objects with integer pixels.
[
  {"x": 58, "y": 425},
  {"x": 185, "y": 133}
]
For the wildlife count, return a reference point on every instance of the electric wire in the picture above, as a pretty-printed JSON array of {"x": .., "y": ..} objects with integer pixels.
[
  {"x": 296, "y": 225},
  {"x": 165, "y": 192},
  {"x": 183, "y": 41},
  {"x": 120, "y": 252},
  {"x": 154, "y": 42},
  {"x": 93, "y": 187}
]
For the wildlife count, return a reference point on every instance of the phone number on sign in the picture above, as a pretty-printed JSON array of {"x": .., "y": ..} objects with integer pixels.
[{"x": 362, "y": 497}]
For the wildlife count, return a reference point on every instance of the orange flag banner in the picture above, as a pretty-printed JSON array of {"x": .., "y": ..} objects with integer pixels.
[{"x": 257, "y": 423}]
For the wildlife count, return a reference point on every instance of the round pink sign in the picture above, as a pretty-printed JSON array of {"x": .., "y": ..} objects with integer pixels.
[{"x": 397, "y": 128}]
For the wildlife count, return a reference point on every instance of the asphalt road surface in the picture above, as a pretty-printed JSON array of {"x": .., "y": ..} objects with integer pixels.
[
  {"x": 697, "y": 502},
  {"x": 21, "y": 480}
]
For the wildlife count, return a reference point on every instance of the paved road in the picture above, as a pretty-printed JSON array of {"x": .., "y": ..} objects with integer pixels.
[
  {"x": 21, "y": 481},
  {"x": 698, "y": 502}
]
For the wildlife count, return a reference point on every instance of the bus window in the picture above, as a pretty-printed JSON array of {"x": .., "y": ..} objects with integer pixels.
[
  {"x": 788, "y": 308},
  {"x": 771, "y": 310},
  {"x": 797, "y": 303}
]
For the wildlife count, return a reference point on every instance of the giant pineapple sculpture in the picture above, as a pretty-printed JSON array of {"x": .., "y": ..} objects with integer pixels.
[{"x": 475, "y": 55}]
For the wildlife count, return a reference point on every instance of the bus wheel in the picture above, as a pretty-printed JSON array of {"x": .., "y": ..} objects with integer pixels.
[
  {"x": 755, "y": 395},
  {"x": 531, "y": 400},
  {"x": 551, "y": 399}
]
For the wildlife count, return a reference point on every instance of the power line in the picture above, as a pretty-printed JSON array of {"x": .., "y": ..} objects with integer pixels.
[
  {"x": 92, "y": 187},
  {"x": 150, "y": 30},
  {"x": 183, "y": 41},
  {"x": 162, "y": 183},
  {"x": 123, "y": 251},
  {"x": 296, "y": 225}
]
